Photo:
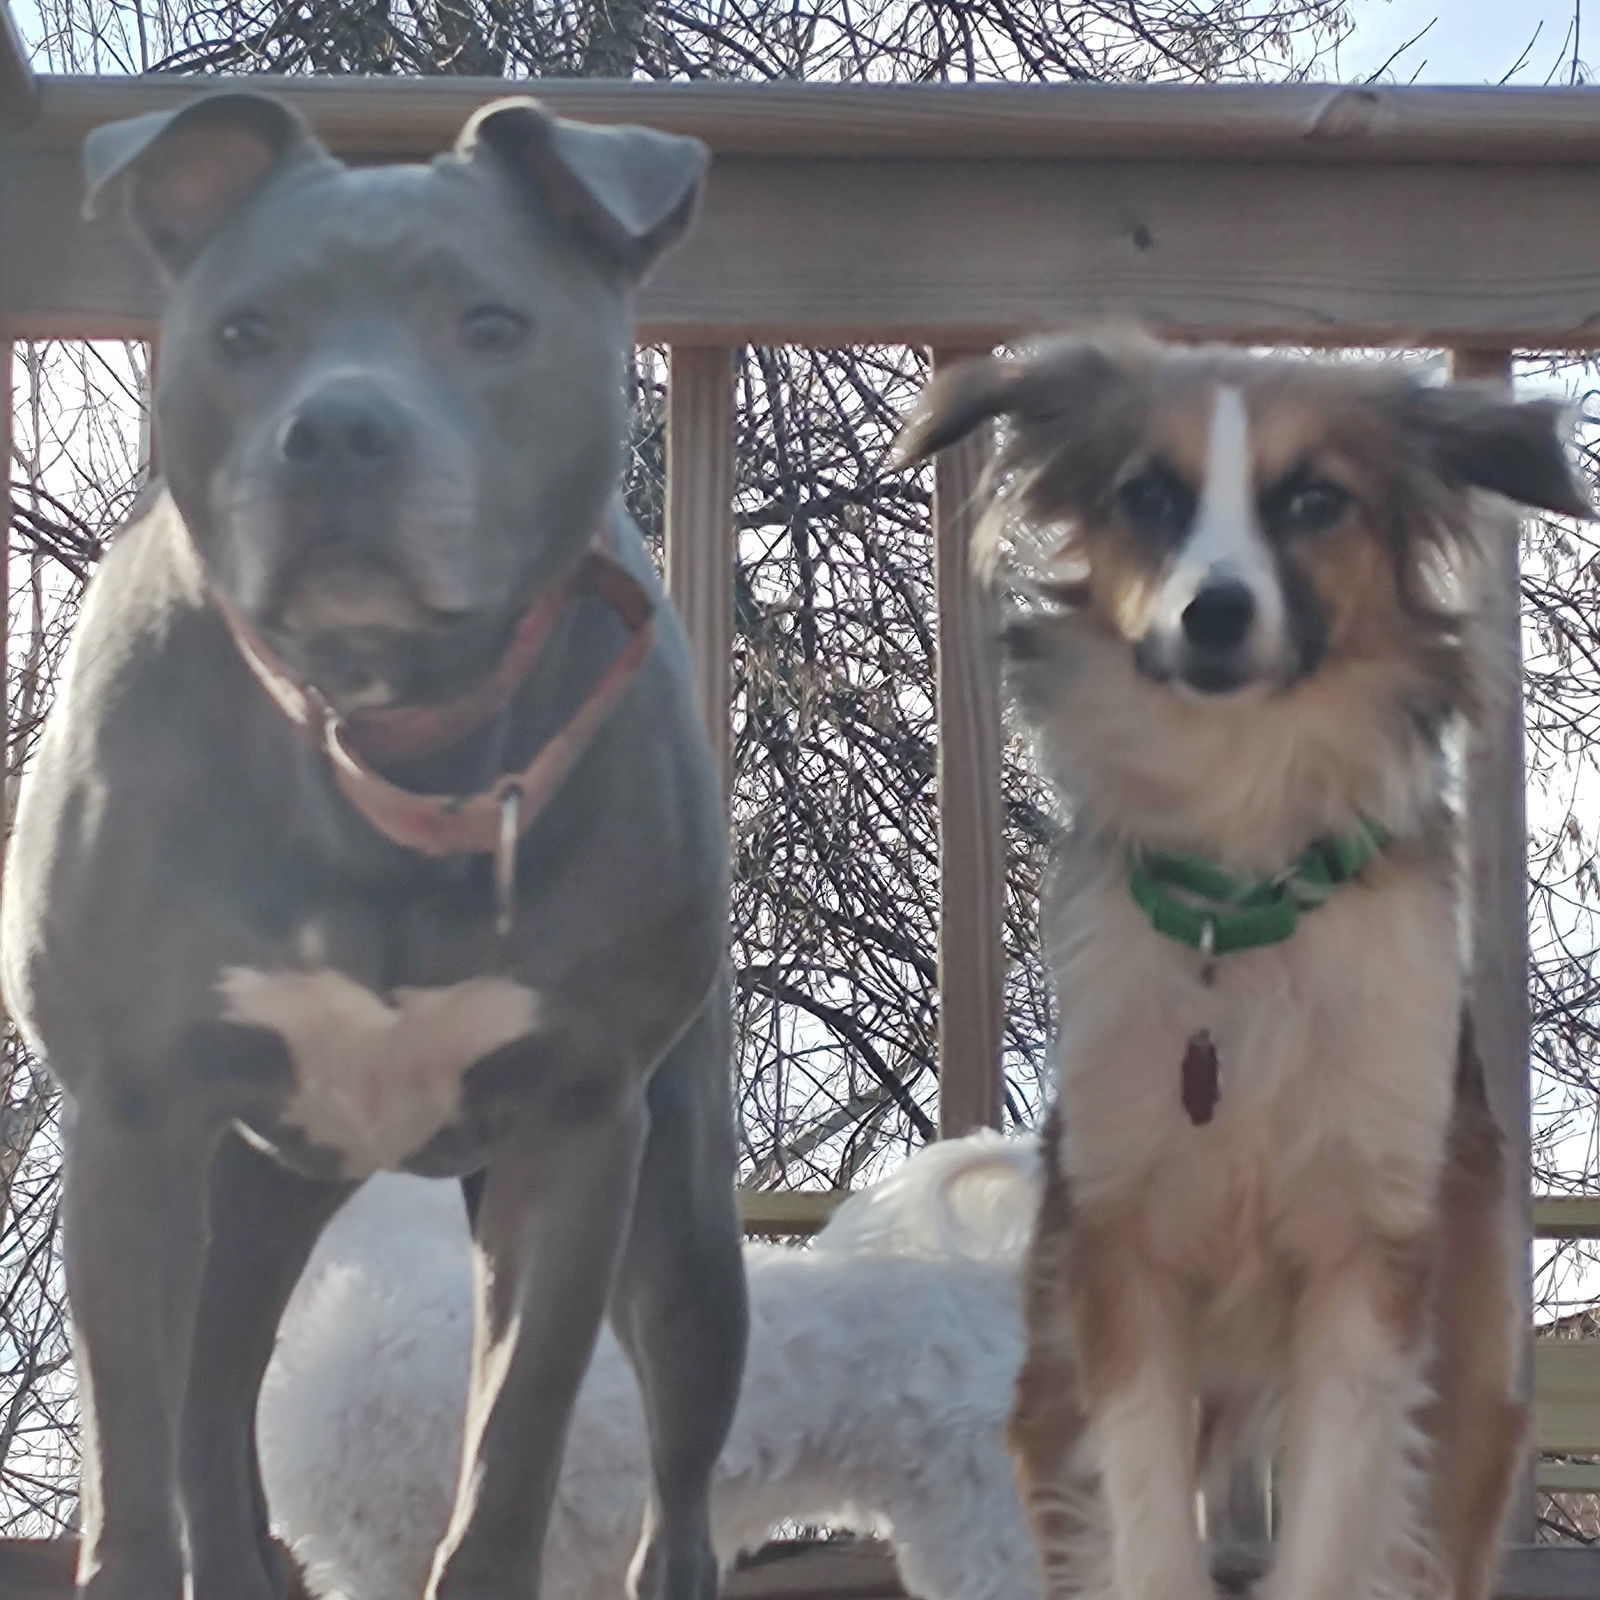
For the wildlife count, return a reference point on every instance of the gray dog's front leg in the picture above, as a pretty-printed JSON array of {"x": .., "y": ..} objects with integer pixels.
[
  {"x": 134, "y": 1234},
  {"x": 680, "y": 1304},
  {"x": 264, "y": 1221},
  {"x": 549, "y": 1229}
]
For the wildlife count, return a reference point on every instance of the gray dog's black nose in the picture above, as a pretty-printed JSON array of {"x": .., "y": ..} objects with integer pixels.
[
  {"x": 341, "y": 439},
  {"x": 1219, "y": 616}
]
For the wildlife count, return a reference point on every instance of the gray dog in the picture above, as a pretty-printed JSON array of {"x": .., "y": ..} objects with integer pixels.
[{"x": 375, "y": 827}]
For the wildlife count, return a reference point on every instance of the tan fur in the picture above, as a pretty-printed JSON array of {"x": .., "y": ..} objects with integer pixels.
[
  {"x": 1297, "y": 1268},
  {"x": 1477, "y": 1421},
  {"x": 1048, "y": 1420}
]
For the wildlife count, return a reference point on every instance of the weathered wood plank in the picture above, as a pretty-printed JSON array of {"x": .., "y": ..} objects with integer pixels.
[
  {"x": 788, "y": 1211},
  {"x": 1549, "y": 1572},
  {"x": 805, "y": 1210},
  {"x": 1497, "y": 833},
  {"x": 1566, "y": 1396},
  {"x": 699, "y": 526},
  {"x": 855, "y": 1570},
  {"x": 866, "y": 1572},
  {"x": 1567, "y": 1477},
  {"x": 38, "y": 1569},
  {"x": 960, "y": 252},
  {"x": 1564, "y": 1216},
  {"x": 1308, "y": 122},
  {"x": 972, "y": 867}
]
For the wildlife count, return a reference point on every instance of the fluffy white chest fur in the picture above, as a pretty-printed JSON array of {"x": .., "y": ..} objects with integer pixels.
[
  {"x": 1328, "y": 1125},
  {"x": 376, "y": 1078}
]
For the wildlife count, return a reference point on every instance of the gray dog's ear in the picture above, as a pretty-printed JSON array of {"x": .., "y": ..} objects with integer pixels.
[
  {"x": 184, "y": 172},
  {"x": 1513, "y": 448},
  {"x": 630, "y": 190}
]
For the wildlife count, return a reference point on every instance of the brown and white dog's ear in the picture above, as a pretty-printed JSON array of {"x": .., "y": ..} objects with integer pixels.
[
  {"x": 1513, "y": 448},
  {"x": 1061, "y": 382},
  {"x": 955, "y": 402},
  {"x": 632, "y": 191},
  {"x": 183, "y": 173}
]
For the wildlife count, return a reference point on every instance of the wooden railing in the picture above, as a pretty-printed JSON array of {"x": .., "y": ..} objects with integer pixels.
[{"x": 957, "y": 218}]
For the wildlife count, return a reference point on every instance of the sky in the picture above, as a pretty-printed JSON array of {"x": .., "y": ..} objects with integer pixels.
[
  {"x": 1462, "y": 41},
  {"x": 1468, "y": 41}
]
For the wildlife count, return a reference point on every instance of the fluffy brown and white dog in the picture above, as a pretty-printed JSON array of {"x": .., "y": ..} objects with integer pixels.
[{"x": 1274, "y": 1210}]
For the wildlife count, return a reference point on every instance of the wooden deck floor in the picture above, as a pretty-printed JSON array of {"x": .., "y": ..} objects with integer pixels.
[
  {"x": 41, "y": 1569},
  {"x": 865, "y": 1571}
]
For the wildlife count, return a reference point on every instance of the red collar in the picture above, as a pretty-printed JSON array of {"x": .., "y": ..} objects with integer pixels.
[{"x": 473, "y": 824}]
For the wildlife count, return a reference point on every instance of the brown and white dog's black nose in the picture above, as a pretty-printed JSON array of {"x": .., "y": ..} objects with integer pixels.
[
  {"x": 1220, "y": 616},
  {"x": 342, "y": 439}
]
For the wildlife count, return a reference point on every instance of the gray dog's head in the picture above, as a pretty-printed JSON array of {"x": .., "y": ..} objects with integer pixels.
[{"x": 390, "y": 399}]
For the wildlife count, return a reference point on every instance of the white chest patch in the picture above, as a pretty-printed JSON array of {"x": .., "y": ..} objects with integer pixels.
[
  {"x": 1336, "y": 1054},
  {"x": 376, "y": 1078}
]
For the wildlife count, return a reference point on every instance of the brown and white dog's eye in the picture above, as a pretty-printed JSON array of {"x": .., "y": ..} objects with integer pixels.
[
  {"x": 245, "y": 336},
  {"x": 1304, "y": 505},
  {"x": 1158, "y": 503},
  {"x": 493, "y": 330}
]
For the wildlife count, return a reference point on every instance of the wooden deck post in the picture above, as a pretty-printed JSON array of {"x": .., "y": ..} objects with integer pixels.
[
  {"x": 1497, "y": 842},
  {"x": 699, "y": 527},
  {"x": 971, "y": 846}
]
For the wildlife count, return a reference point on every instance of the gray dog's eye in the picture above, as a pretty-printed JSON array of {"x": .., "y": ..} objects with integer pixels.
[
  {"x": 493, "y": 328},
  {"x": 245, "y": 335}
]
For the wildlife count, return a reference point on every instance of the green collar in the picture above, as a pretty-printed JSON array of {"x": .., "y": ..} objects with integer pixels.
[{"x": 1220, "y": 912}]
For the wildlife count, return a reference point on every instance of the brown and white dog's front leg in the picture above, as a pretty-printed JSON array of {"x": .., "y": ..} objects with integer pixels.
[
  {"x": 1478, "y": 1422},
  {"x": 1350, "y": 1483},
  {"x": 550, "y": 1223},
  {"x": 1130, "y": 1327},
  {"x": 1047, "y": 1425}
]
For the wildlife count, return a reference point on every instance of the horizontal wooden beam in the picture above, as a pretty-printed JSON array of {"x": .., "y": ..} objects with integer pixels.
[
  {"x": 1568, "y": 1477},
  {"x": 1549, "y": 1572},
  {"x": 1566, "y": 1216},
  {"x": 1337, "y": 123},
  {"x": 795, "y": 1212},
  {"x": 41, "y": 1569},
  {"x": 800, "y": 246},
  {"x": 866, "y": 1571},
  {"x": 842, "y": 1570},
  {"x": 801, "y": 1211},
  {"x": 1566, "y": 1397},
  {"x": 854, "y": 1569}
]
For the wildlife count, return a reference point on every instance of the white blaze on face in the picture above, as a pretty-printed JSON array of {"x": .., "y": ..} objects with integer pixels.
[{"x": 1226, "y": 541}]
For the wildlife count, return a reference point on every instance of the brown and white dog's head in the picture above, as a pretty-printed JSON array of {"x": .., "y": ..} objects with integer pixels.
[{"x": 1244, "y": 523}]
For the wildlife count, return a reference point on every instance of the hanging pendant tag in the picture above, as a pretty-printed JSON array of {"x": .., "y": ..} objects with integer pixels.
[{"x": 1200, "y": 1080}]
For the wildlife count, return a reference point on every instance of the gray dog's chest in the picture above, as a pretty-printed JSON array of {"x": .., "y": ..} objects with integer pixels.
[{"x": 373, "y": 1078}]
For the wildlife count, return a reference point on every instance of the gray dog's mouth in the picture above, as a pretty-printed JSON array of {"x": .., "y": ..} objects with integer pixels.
[{"x": 365, "y": 640}]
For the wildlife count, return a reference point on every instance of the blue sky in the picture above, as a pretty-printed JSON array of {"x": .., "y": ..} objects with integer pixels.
[{"x": 1471, "y": 41}]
